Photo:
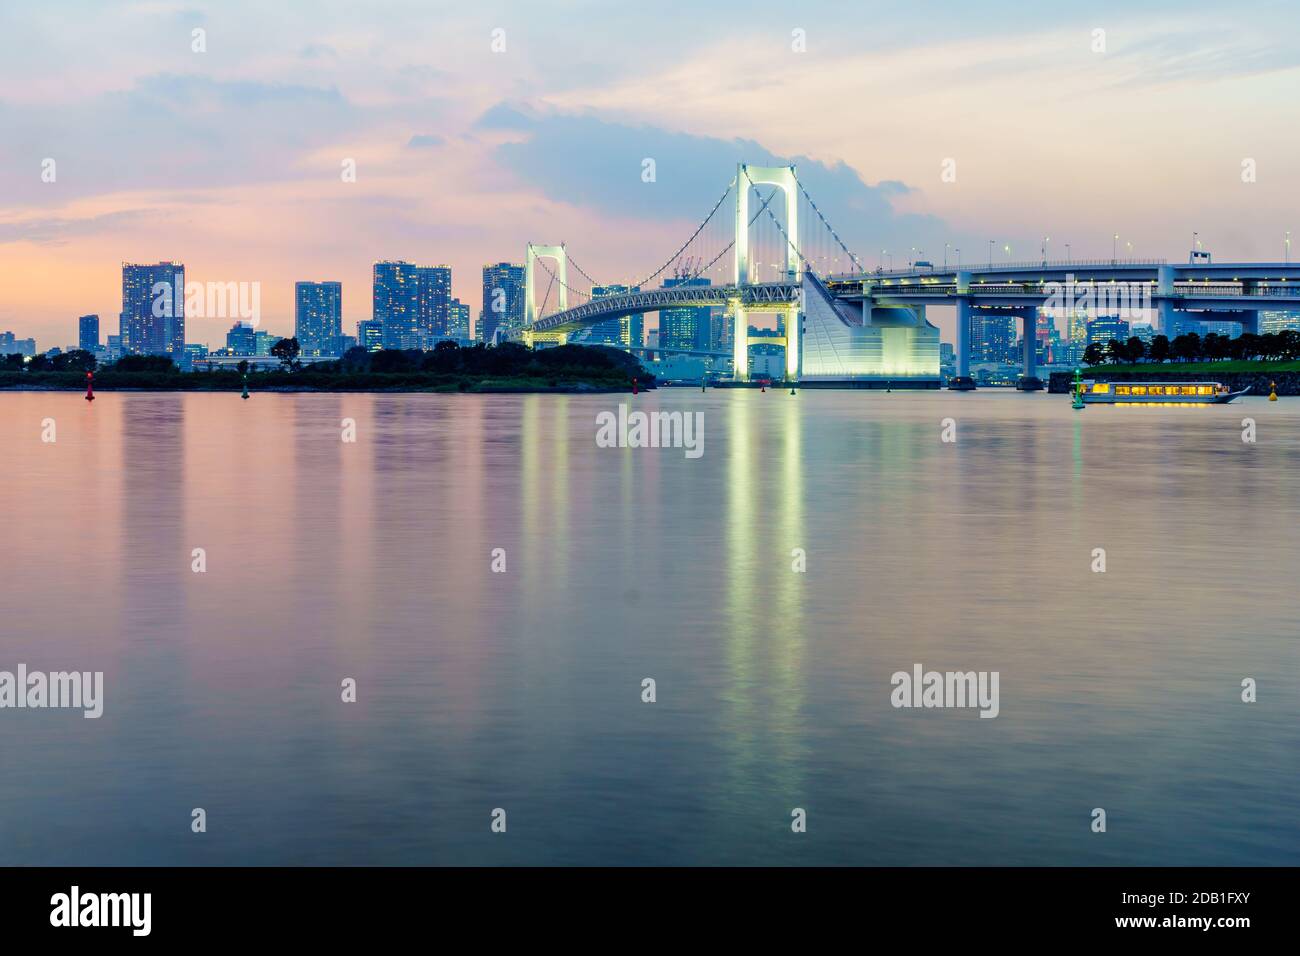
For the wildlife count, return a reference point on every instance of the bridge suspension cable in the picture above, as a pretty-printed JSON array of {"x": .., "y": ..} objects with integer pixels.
[{"x": 829, "y": 228}]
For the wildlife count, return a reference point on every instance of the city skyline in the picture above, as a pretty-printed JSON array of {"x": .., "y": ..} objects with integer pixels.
[{"x": 466, "y": 161}]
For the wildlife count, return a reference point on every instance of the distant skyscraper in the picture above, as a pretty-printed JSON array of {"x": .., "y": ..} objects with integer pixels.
[
  {"x": 318, "y": 316},
  {"x": 152, "y": 321},
  {"x": 689, "y": 328},
  {"x": 241, "y": 339},
  {"x": 1272, "y": 322},
  {"x": 626, "y": 331},
  {"x": 503, "y": 299},
  {"x": 370, "y": 334},
  {"x": 88, "y": 333},
  {"x": 434, "y": 304},
  {"x": 1104, "y": 328},
  {"x": 458, "y": 324},
  {"x": 993, "y": 337},
  {"x": 263, "y": 340},
  {"x": 397, "y": 304}
]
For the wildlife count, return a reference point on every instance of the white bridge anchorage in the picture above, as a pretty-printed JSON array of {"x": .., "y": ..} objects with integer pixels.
[{"x": 835, "y": 320}]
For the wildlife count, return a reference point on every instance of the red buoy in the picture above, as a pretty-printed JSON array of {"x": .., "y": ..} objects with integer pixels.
[
  {"x": 633, "y": 386},
  {"x": 90, "y": 386}
]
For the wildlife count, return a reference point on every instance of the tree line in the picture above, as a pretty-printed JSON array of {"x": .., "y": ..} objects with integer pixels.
[{"x": 1192, "y": 347}]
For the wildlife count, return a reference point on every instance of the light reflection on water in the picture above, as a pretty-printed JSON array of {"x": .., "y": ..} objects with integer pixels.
[{"x": 522, "y": 690}]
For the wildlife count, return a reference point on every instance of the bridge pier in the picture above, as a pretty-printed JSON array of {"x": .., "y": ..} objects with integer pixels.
[
  {"x": 740, "y": 342},
  {"x": 964, "y": 313},
  {"x": 1029, "y": 354}
]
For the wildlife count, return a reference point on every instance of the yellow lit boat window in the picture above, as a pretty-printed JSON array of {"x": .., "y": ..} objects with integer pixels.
[
  {"x": 1101, "y": 388},
  {"x": 1139, "y": 389},
  {"x": 1121, "y": 389},
  {"x": 1205, "y": 390}
]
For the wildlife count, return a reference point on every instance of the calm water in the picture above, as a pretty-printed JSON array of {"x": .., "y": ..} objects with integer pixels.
[{"x": 521, "y": 690}]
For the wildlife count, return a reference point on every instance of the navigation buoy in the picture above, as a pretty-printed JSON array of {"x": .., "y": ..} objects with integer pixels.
[
  {"x": 1272, "y": 391},
  {"x": 245, "y": 394},
  {"x": 633, "y": 386},
  {"x": 90, "y": 386}
]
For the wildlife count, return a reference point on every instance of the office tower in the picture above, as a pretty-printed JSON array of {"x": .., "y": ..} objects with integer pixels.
[
  {"x": 152, "y": 321},
  {"x": 1273, "y": 322},
  {"x": 503, "y": 299},
  {"x": 626, "y": 331},
  {"x": 434, "y": 322},
  {"x": 689, "y": 328},
  {"x": 1144, "y": 332},
  {"x": 263, "y": 340},
  {"x": 241, "y": 339},
  {"x": 114, "y": 348},
  {"x": 194, "y": 352},
  {"x": 1104, "y": 328},
  {"x": 370, "y": 334},
  {"x": 947, "y": 353},
  {"x": 458, "y": 323},
  {"x": 993, "y": 337},
  {"x": 397, "y": 304},
  {"x": 10, "y": 344},
  {"x": 88, "y": 333},
  {"x": 318, "y": 316}
]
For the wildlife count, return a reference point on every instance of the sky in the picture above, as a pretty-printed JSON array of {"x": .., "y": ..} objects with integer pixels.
[{"x": 478, "y": 127}]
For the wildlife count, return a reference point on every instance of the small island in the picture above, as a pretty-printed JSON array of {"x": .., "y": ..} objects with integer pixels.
[{"x": 507, "y": 367}]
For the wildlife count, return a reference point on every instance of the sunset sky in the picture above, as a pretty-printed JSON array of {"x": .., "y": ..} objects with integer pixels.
[{"x": 229, "y": 160}]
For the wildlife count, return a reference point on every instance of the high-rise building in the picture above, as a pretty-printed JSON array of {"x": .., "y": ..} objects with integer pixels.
[
  {"x": 152, "y": 321},
  {"x": 689, "y": 328},
  {"x": 241, "y": 339},
  {"x": 1273, "y": 322},
  {"x": 458, "y": 323},
  {"x": 318, "y": 316},
  {"x": 397, "y": 304},
  {"x": 434, "y": 305},
  {"x": 88, "y": 333},
  {"x": 10, "y": 344},
  {"x": 626, "y": 332},
  {"x": 263, "y": 340},
  {"x": 1106, "y": 327},
  {"x": 993, "y": 337},
  {"x": 370, "y": 334},
  {"x": 503, "y": 299}
]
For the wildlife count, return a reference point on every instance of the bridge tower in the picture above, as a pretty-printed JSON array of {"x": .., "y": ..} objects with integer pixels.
[
  {"x": 557, "y": 253},
  {"x": 783, "y": 177}
]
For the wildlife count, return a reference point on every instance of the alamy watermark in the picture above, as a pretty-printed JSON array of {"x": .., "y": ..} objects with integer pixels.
[
  {"x": 209, "y": 300},
  {"x": 1125, "y": 300},
  {"x": 80, "y": 690},
  {"x": 651, "y": 430},
  {"x": 922, "y": 688}
]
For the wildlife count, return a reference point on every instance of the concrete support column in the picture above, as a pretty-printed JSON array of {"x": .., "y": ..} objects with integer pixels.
[
  {"x": 740, "y": 343},
  {"x": 793, "y": 342},
  {"x": 1164, "y": 306},
  {"x": 964, "y": 312},
  {"x": 1030, "y": 341}
]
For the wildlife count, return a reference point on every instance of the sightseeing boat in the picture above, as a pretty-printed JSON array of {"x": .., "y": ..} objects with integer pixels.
[{"x": 1088, "y": 392}]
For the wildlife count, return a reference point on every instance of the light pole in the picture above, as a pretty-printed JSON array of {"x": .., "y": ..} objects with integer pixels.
[
  {"x": 1046, "y": 240},
  {"x": 1287, "y": 252},
  {"x": 990, "y": 253},
  {"x": 1067, "y": 253},
  {"x": 945, "y": 257},
  {"x": 958, "y": 258},
  {"x": 1114, "y": 248}
]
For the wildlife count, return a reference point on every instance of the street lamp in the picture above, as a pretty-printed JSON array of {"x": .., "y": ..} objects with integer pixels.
[
  {"x": 1114, "y": 248},
  {"x": 991, "y": 253},
  {"x": 1287, "y": 252},
  {"x": 1067, "y": 253},
  {"x": 1046, "y": 240}
]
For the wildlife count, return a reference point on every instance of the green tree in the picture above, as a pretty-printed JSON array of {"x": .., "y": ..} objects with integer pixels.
[
  {"x": 1093, "y": 354},
  {"x": 287, "y": 351},
  {"x": 1116, "y": 351},
  {"x": 1159, "y": 351},
  {"x": 1135, "y": 350}
]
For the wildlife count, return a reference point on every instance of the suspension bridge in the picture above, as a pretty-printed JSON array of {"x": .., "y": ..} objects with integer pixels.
[{"x": 841, "y": 322}]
